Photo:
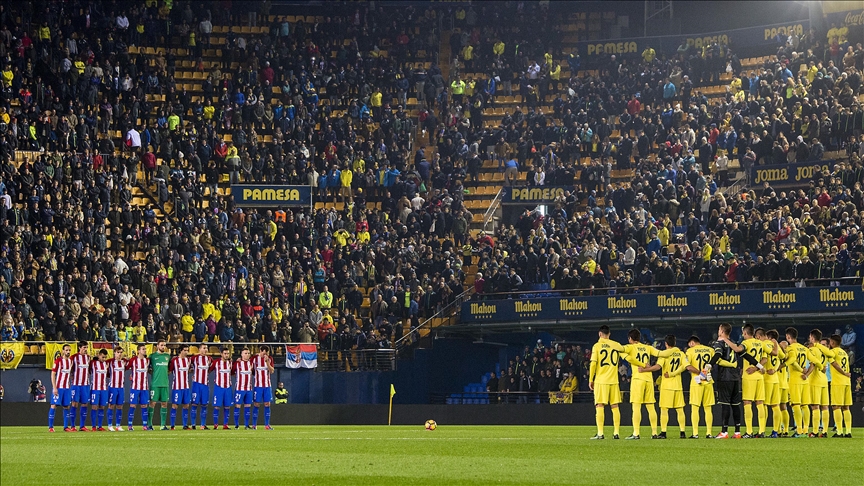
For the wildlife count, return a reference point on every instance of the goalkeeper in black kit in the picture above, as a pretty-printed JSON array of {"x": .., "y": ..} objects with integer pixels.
[{"x": 727, "y": 376}]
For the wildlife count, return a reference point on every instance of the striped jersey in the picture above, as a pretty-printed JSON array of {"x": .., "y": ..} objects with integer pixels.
[
  {"x": 82, "y": 369},
  {"x": 100, "y": 375},
  {"x": 202, "y": 364},
  {"x": 224, "y": 369},
  {"x": 243, "y": 370},
  {"x": 118, "y": 372},
  {"x": 139, "y": 367},
  {"x": 180, "y": 368},
  {"x": 262, "y": 370},
  {"x": 63, "y": 369}
]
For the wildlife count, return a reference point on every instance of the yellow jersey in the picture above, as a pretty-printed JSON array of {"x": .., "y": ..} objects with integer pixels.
[
  {"x": 605, "y": 356},
  {"x": 842, "y": 360},
  {"x": 796, "y": 360},
  {"x": 699, "y": 356},
  {"x": 640, "y": 355},
  {"x": 674, "y": 365},
  {"x": 819, "y": 355},
  {"x": 754, "y": 348},
  {"x": 772, "y": 362}
]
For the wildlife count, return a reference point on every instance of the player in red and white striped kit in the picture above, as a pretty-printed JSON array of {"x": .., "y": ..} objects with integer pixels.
[
  {"x": 244, "y": 370},
  {"x": 140, "y": 394},
  {"x": 201, "y": 364},
  {"x": 116, "y": 393},
  {"x": 263, "y": 364},
  {"x": 80, "y": 384},
  {"x": 61, "y": 376},
  {"x": 180, "y": 366},
  {"x": 99, "y": 367},
  {"x": 222, "y": 398}
]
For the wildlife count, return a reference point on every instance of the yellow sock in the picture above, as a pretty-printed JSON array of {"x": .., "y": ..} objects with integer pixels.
[
  {"x": 776, "y": 418},
  {"x": 664, "y": 419},
  {"x": 847, "y": 417},
  {"x": 709, "y": 421},
  {"x": 682, "y": 419},
  {"x": 838, "y": 420},
  {"x": 784, "y": 417},
  {"x": 748, "y": 417},
  {"x": 826, "y": 420},
  {"x": 694, "y": 419},
  {"x": 637, "y": 418},
  {"x": 814, "y": 421},
  {"x": 799, "y": 419},
  {"x": 616, "y": 420},
  {"x": 652, "y": 418},
  {"x": 805, "y": 419},
  {"x": 600, "y": 417},
  {"x": 763, "y": 417}
]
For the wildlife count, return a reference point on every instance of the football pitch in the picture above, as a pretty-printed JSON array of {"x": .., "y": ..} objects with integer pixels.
[{"x": 316, "y": 455}]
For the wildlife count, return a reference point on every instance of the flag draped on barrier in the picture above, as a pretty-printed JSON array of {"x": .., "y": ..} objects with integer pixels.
[
  {"x": 54, "y": 350},
  {"x": 301, "y": 356},
  {"x": 11, "y": 354}
]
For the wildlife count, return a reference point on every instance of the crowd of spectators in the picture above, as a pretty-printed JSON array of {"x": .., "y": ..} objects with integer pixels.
[{"x": 207, "y": 269}]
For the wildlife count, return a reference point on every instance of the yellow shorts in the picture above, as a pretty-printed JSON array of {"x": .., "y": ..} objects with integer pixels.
[
  {"x": 799, "y": 394},
  {"x": 753, "y": 390},
  {"x": 784, "y": 396},
  {"x": 819, "y": 395},
  {"x": 642, "y": 392},
  {"x": 607, "y": 394},
  {"x": 671, "y": 399},
  {"x": 702, "y": 395},
  {"x": 772, "y": 394},
  {"x": 841, "y": 395}
]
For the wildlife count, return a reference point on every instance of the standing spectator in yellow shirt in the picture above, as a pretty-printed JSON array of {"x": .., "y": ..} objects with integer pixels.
[
  {"x": 376, "y": 101},
  {"x": 457, "y": 90},
  {"x": 649, "y": 54},
  {"x": 346, "y": 177},
  {"x": 468, "y": 57}
]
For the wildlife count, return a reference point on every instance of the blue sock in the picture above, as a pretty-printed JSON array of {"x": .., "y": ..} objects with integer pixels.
[
  {"x": 216, "y": 417},
  {"x": 110, "y": 414},
  {"x": 131, "y": 416},
  {"x": 101, "y": 417},
  {"x": 67, "y": 418},
  {"x": 83, "y": 416},
  {"x": 194, "y": 413},
  {"x": 74, "y": 412},
  {"x": 145, "y": 416},
  {"x": 51, "y": 412},
  {"x": 173, "y": 416},
  {"x": 118, "y": 414},
  {"x": 255, "y": 416},
  {"x": 185, "y": 417},
  {"x": 267, "y": 415},
  {"x": 246, "y": 411},
  {"x": 236, "y": 417},
  {"x": 203, "y": 416},
  {"x": 93, "y": 414}
]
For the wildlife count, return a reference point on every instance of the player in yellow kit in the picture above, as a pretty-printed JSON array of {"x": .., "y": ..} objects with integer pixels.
[
  {"x": 603, "y": 380},
  {"x": 701, "y": 385},
  {"x": 639, "y": 356},
  {"x": 770, "y": 351},
  {"x": 819, "y": 401},
  {"x": 753, "y": 383},
  {"x": 797, "y": 358},
  {"x": 671, "y": 392},
  {"x": 779, "y": 415},
  {"x": 841, "y": 388}
]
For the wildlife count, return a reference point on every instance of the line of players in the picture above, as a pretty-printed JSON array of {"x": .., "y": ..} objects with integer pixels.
[
  {"x": 776, "y": 375},
  {"x": 79, "y": 381}
]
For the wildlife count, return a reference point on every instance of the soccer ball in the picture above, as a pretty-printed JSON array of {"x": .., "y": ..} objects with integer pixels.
[{"x": 431, "y": 425}]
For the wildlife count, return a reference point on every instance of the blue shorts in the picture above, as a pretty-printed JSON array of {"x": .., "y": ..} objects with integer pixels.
[
  {"x": 181, "y": 397},
  {"x": 242, "y": 397},
  {"x": 263, "y": 394},
  {"x": 80, "y": 394},
  {"x": 200, "y": 394},
  {"x": 116, "y": 396},
  {"x": 99, "y": 398},
  {"x": 63, "y": 397},
  {"x": 139, "y": 397},
  {"x": 222, "y": 397}
]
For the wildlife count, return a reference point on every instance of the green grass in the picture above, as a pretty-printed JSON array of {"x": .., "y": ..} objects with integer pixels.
[{"x": 316, "y": 455}]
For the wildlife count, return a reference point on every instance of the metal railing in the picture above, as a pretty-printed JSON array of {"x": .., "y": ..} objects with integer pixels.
[
  {"x": 490, "y": 213},
  {"x": 737, "y": 185},
  {"x": 357, "y": 360},
  {"x": 447, "y": 312}
]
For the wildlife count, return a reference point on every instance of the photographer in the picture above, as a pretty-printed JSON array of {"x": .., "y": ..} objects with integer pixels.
[{"x": 37, "y": 391}]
